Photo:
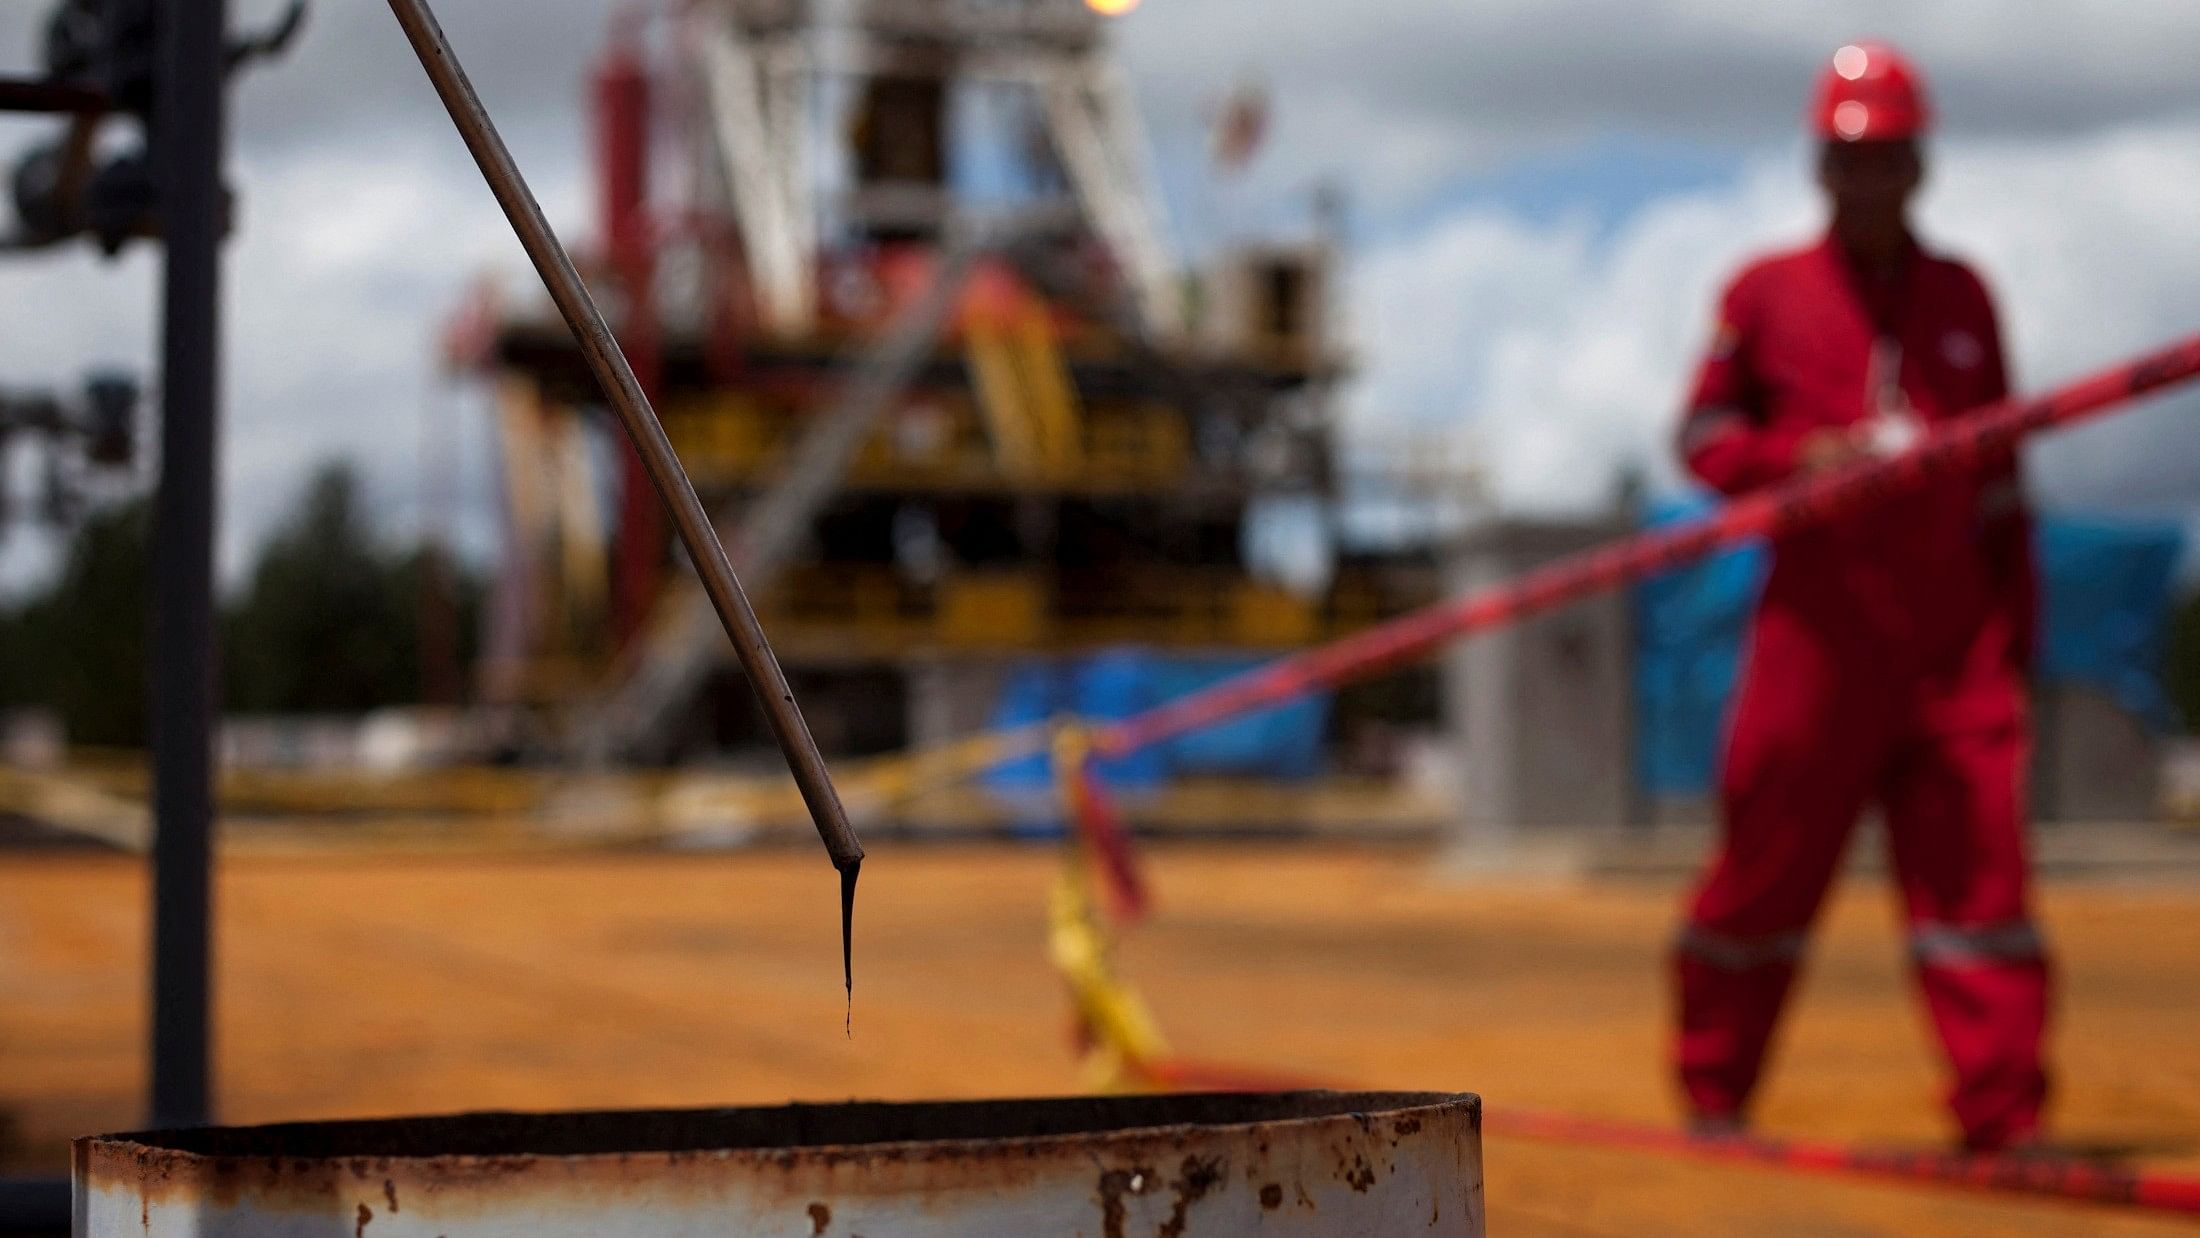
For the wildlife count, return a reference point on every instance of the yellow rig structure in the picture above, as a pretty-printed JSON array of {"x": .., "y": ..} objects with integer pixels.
[{"x": 925, "y": 228}]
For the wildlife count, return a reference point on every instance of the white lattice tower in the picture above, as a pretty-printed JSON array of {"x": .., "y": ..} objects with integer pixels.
[{"x": 768, "y": 69}]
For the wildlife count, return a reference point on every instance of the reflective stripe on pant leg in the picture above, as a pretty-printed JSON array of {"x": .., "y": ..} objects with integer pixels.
[{"x": 1935, "y": 944}]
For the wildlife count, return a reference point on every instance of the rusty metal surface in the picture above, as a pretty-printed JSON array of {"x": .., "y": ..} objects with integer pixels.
[{"x": 1302, "y": 1163}]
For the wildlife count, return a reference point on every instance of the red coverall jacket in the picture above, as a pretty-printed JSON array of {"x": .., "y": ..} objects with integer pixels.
[
  {"x": 1887, "y": 663},
  {"x": 1913, "y": 579}
]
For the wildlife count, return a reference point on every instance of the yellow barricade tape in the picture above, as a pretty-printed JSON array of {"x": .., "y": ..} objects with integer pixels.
[{"x": 1118, "y": 1029}]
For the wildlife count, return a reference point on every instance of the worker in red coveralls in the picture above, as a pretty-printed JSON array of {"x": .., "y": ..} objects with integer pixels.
[{"x": 1887, "y": 660}]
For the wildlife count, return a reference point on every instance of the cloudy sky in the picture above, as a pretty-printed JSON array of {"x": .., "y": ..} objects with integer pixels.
[{"x": 1543, "y": 197}]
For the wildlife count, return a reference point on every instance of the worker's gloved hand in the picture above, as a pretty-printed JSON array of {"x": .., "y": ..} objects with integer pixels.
[{"x": 1890, "y": 434}]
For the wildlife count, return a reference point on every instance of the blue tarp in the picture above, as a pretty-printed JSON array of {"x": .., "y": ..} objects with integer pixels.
[
  {"x": 1284, "y": 742},
  {"x": 2106, "y": 597},
  {"x": 2107, "y": 591},
  {"x": 1688, "y": 626}
]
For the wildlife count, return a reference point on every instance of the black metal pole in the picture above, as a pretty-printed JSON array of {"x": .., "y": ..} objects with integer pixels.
[{"x": 187, "y": 140}]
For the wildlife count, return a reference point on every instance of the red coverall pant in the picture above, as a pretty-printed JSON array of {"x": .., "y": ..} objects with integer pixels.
[{"x": 1818, "y": 732}]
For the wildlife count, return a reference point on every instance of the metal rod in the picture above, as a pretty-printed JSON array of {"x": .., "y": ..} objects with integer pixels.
[
  {"x": 188, "y": 142},
  {"x": 625, "y": 394}
]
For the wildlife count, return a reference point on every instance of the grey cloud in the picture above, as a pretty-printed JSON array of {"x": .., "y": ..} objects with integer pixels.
[
  {"x": 1488, "y": 79},
  {"x": 353, "y": 79}
]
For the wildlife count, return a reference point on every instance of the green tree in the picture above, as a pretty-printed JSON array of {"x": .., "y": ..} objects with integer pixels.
[
  {"x": 78, "y": 648},
  {"x": 329, "y": 620},
  {"x": 325, "y": 624}
]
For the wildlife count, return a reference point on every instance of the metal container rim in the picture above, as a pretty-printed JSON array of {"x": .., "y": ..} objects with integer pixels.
[{"x": 851, "y": 1129}]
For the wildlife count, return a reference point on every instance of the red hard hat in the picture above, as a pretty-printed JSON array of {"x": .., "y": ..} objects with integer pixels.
[{"x": 1870, "y": 93}]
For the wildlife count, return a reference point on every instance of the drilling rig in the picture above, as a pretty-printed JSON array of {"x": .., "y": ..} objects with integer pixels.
[{"x": 914, "y": 323}]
